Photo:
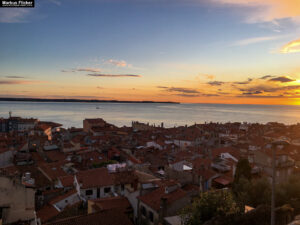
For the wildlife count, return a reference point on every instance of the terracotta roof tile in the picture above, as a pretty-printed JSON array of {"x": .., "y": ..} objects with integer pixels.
[
  {"x": 95, "y": 178},
  {"x": 153, "y": 199},
  {"x": 67, "y": 181},
  {"x": 62, "y": 197},
  {"x": 112, "y": 203},
  {"x": 46, "y": 213},
  {"x": 110, "y": 217}
]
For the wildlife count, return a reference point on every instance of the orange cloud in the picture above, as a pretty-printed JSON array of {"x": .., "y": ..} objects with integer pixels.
[
  {"x": 209, "y": 76},
  {"x": 269, "y": 10},
  {"x": 293, "y": 46},
  {"x": 112, "y": 75},
  {"x": 118, "y": 63}
]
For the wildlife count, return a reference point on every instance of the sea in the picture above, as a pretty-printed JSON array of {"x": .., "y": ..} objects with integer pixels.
[{"x": 171, "y": 115}]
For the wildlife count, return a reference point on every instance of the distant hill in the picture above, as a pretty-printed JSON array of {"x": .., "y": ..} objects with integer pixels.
[{"x": 77, "y": 100}]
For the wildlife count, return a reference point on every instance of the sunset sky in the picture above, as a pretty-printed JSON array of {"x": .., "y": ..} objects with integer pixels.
[{"x": 193, "y": 51}]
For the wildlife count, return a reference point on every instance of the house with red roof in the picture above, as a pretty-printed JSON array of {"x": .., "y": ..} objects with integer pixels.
[
  {"x": 166, "y": 200},
  {"x": 57, "y": 205},
  {"x": 100, "y": 182}
]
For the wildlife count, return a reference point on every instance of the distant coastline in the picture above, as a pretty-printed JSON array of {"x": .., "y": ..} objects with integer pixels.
[{"x": 78, "y": 100}]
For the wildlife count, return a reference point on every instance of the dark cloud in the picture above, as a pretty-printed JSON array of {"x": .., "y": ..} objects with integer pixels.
[
  {"x": 244, "y": 82},
  {"x": 188, "y": 95},
  {"x": 14, "y": 77},
  {"x": 13, "y": 82},
  {"x": 186, "y": 92},
  {"x": 179, "y": 89},
  {"x": 210, "y": 95},
  {"x": 260, "y": 96},
  {"x": 282, "y": 79},
  {"x": 261, "y": 89},
  {"x": 266, "y": 77},
  {"x": 162, "y": 87},
  {"x": 197, "y": 95},
  {"x": 253, "y": 93},
  {"x": 93, "y": 70},
  {"x": 215, "y": 83},
  {"x": 112, "y": 75},
  {"x": 183, "y": 90}
]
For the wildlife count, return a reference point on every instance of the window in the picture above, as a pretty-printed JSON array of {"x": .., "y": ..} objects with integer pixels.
[
  {"x": 107, "y": 190},
  {"x": 89, "y": 192},
  {"x": 151, "y": 217},
  {"x": 144, "y": 212}
]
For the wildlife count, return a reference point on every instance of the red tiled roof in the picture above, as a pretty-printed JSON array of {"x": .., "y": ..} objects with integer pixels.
[
  {"x": 62, "y": 197},
  {"x": 94, "y": 120},
  {"x": 10, "y": 170},
  {"x": 95, "y": 178},
  {"x": 51, "y": 124},
  {"x": 110, "y": 217},
  {"x": 46, "y": 213},
  {"x": 199, "y": 162},
  {"x": 134, "y": 160},
  {"x": 52, "y": 170},
  {"x": 67, "y": 181},
  {"x": 206, "y": 174},
  {"x": 55, "y": 155},
  {"x": 153, "y": 199},
  {"x": 43, "y": 127},
  {"x": 2, "y": 150},
  {"x": 112, "y": 203},
  {"x": 222, "y": 180}
]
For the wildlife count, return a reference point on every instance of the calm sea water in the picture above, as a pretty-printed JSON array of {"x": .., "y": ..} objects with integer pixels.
[{"x": 72, "y": 114}]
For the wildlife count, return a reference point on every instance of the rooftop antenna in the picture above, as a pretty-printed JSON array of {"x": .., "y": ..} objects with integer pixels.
[{"x": 10, "y": 114}]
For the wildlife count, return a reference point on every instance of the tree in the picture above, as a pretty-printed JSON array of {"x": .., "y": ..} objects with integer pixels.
[
  {"x": 289, "y": 193},
  {"x": 260, "y": 192},
  {"x": 253, "y": 193},
  {"x": 242, "y": 182},
  {"x": 241, "y": 190},
  {"x": 243, "y": 169},
  {"x": 217, "y": 204}
]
